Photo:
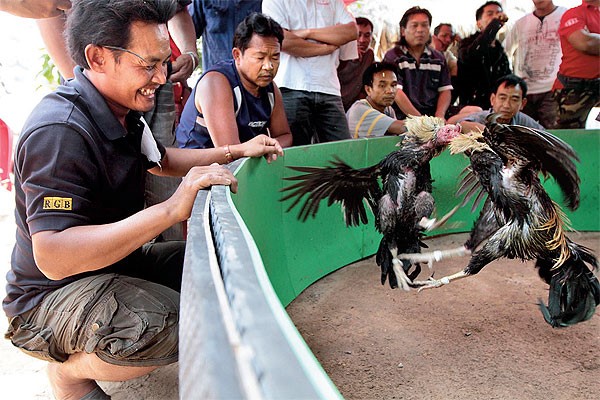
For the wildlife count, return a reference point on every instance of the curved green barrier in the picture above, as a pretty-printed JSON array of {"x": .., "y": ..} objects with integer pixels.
[{"x": 296, "y": 254}]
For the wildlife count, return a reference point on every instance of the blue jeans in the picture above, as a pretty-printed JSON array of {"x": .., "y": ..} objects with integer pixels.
[{"x": 314, "y": 117}]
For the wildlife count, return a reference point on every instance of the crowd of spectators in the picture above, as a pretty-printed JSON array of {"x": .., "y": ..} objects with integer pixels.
[{"x": 326, "y": 51}]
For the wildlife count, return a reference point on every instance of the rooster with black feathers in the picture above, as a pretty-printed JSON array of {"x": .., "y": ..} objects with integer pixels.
[
  {"x": 520, "y": 220},
  {"x": 402, "y": 206}
]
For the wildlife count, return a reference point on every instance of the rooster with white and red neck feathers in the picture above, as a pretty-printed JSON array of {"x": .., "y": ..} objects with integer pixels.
[
  {"x": 520, "y": 220},
  {"x": 403, "y": 205}
]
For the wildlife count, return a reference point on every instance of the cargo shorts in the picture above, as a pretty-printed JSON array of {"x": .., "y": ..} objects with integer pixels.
[
  {"x": 575, "y": 101},
  {"x": 124, "y": 320}
]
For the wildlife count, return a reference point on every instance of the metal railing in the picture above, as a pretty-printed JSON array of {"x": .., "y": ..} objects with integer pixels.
[{"x": 236, "y": 340}]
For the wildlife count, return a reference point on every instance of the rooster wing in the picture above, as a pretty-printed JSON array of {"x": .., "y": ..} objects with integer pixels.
[
  {"x": 539, "y": 151},
  {"x": 337, "y": 183}
]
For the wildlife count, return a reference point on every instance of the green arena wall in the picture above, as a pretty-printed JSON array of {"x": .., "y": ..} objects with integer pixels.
[{"x": 296, "y": 254}]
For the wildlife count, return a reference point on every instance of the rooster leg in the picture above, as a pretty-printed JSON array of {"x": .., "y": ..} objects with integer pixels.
[
  {"x": 490, "y": 251},
  {"x": 430, "y": 224},
  {"x": 435, "y": 283},
  {"x": 427, "y": 223},
  {"x": 438, "y": 255},
  {"x": 403, "y": 281}
]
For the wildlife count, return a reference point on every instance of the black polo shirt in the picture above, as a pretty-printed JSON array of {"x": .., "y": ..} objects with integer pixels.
[
  {"x": 75, "y": 164},
  {"x": 422, "y": 81}
]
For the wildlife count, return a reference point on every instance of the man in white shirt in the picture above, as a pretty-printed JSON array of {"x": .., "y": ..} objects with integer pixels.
[
  {"x": 533, "y": 45},
  {"x": 374, "y": 115},
  {"x": 314, "y": 31}
]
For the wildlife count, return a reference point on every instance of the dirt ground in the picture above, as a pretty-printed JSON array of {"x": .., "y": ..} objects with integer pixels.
[{"x": 479, "y": 338}]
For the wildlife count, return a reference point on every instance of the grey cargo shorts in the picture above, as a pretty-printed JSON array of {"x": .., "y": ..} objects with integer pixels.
[{"x": 124, "y": 320}]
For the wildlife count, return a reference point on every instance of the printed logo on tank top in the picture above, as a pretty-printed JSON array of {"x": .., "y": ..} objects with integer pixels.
[
  {"x": 58, "y": 203},
  {"x": 257, "y": 124}
]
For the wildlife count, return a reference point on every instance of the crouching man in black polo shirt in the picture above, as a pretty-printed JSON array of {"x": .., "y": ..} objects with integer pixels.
[{"x": 85, "y": 291}]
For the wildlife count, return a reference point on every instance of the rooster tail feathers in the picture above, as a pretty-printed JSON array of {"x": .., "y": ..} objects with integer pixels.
[
  {"x": 384, "y": 260},
  {"x": 571, "y": 302},
  {"x": 574, "y": 290}
]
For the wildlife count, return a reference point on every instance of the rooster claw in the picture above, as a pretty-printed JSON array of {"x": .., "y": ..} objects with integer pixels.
[
  {"x": 436, "y": 255},
  {"x": 429, "y": 257},
  {"x": 430, "y": 283},
  {"x": 404, "y": 282}
]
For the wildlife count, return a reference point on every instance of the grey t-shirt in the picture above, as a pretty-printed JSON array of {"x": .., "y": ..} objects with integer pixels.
[
  {"x": 365, "y": 121},
  {"x": 519, "y": 119}
]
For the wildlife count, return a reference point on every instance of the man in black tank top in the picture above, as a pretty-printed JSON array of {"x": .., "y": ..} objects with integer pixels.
[{"x": 236, "y": 100}]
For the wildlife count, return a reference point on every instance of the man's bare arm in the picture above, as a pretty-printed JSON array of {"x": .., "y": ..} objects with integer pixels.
[
  {"x": 337, "y": 35},
  {"x": 52, "y": 30},
  {"x": 35, "y": 8},
  {"x": 463, "y": 113},
  {"x": 218, "y": 110},
  {"x": 405, "y": 104},
  {"x": 296, "y": 46},
  {"x": 443, "y": 103},
  {"x": 59, "y": 254},
  {"x": 397, "y": 127},
  {"x": 586, "y": 42},
  {"x": 177, "y": 162},
  {"x": 181, "y": 29}
]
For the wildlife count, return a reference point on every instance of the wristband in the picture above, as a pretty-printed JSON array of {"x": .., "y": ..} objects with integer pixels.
[
  {"x": 228, "y": 155},
  {"x": 193, "y": 55}
]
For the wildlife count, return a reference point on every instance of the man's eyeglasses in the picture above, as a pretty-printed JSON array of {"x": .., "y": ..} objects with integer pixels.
[{"x": 149, "y": 66}]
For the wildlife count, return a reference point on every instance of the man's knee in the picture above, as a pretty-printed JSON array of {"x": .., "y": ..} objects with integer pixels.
[
  {"x": 136, "y": 327},
  {"x": 129, "y": 321}
]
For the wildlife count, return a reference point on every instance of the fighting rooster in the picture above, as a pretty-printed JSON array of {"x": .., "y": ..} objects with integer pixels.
[
  {"x": 519, "y": 220},
  {"x": 403, "y": 205}
]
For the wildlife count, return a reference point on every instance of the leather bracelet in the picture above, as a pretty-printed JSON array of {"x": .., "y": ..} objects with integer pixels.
[
  {"x": 228, "y": 155},
  {"x": 193, "y": 55}
]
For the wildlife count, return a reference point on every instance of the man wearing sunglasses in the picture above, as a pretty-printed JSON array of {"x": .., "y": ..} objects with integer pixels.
[{"x": 86, "y": 291}]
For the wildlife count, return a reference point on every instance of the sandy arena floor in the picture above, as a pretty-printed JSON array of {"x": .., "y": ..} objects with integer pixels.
[{"x": 479, "y": 338}]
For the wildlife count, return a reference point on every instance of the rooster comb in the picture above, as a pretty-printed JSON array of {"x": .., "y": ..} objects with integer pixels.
[{"x": 423, "y": 128}]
